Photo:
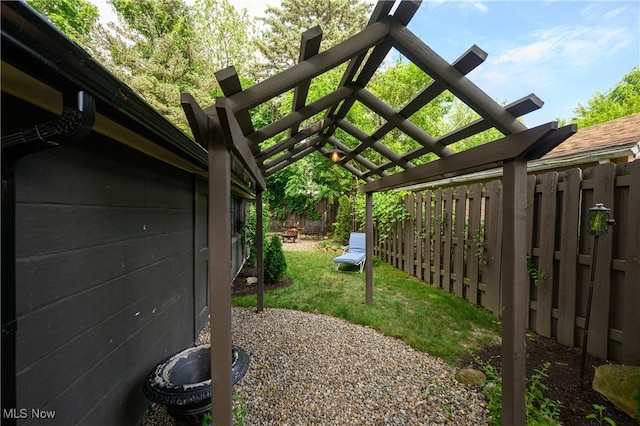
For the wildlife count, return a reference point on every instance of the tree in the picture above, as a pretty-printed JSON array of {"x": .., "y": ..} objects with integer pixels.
[
  {"x": 279, "y": 42},
  {"x": 226, "y": 36},
  {"x": 75, "y": 18},
  {"x": 622, "y": 100},
  {"x": 154, "y": 49}
]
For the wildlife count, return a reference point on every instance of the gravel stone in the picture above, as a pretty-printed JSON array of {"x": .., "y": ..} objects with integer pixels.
[{"x": 310, "y": 369}]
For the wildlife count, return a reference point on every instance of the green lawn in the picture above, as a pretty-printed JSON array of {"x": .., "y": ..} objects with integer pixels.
[{"x": 428, "y": 319}]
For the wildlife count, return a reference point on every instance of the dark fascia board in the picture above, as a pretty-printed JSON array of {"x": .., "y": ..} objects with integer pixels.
[{"x": 32, "y": 44}]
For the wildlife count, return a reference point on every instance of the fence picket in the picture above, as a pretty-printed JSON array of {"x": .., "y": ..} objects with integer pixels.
[
  {"x": 448, "y": 228},
  {"x": 567, "y": 277},
  {"x": 398, "y": 245},
  {"x": 428, "y": 237},
  {"x": 437, "y": 243},
  {"x": 494, "y": 247},
  {"x": 476, "y": 242},
  {"x": 531, "y": 196},
  {"x": 409, "y": 243},
  {"x": 460, "y": 222},
  {"x": 419, "y": 235},
  {"x": 544, "y": 272},
  {"x": 599, "y": 325}
]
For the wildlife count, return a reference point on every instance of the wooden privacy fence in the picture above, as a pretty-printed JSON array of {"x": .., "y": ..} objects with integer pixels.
[{"x": 452, "y": 240}]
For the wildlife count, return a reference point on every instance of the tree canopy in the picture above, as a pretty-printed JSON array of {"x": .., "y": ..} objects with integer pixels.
[
  {"x": 279, "y": 41},
  {"x": 161, "y": 48},
  {"x": 620, "y": 101},
  {"x": 75, "y": 18}
]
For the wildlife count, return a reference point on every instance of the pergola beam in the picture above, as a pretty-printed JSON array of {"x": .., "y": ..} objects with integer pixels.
[
  {"x": 434, "y": 65},
  {"x": 312, "y": 67},
  {"x": 230, "y": 84},
  {"x": 381, "y": 10},
  {"x": 400, "y": 122},
  {"x": 367, "y": 142},
  {"x": 299, "y": 115},
  {"x": 466, "y": 63},
  {"x": 520, "y": 107},
  {"x": 309, "y": 46},
  {"x": 313, "y": 129},
  {"x": 238, "y": 142},
  {"x": 298, "y": 156},
  {"x": 482, "y": 157},
  {"x": 291, "y": 152}
]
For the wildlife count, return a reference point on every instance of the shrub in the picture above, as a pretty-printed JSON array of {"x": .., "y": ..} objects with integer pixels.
[
  {"x": 636, "y": 397},
  {"x": 274, "y": 262},
  {"x": 343, "y": 219},
  {"x": 250, "y": 235}
]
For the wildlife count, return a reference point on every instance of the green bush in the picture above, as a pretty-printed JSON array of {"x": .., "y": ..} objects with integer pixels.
[
  {"x": 274, "y": 262},
  {"x": 540, "y": 410},
  {"x": 343, "y": 219},
  {"x": 636, "y": 397}
]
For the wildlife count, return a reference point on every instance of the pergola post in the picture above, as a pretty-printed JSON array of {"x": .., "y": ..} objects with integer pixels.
[
  {"x": 219, "y": 280},
  {"x": 513, "y": 288},
  {"x": 368, "y": 264},
  {"x": 259, "y": 250}
]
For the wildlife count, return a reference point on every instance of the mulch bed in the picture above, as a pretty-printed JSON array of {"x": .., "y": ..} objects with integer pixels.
[
  {"x": 240, "y": 286},
  {"x": 563, "y": 378}
]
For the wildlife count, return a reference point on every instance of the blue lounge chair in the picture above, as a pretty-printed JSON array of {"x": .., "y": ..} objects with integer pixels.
[{"x": 354, "y": 253}]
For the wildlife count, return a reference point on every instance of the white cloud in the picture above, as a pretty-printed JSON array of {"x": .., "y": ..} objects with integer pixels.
[
  {"x": 573, "y": 46},
  {"x": 467, "y": 6}
]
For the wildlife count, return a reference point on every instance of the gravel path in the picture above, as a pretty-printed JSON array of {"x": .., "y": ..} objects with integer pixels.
[
  {"x": 308, "y": 369},
  {"x": 300, "y": 245}
]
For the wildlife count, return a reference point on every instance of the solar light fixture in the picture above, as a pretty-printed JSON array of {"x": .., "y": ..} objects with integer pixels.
[
  {"x": 599, "y": 219},
  {"x": 599, "y": 222}
]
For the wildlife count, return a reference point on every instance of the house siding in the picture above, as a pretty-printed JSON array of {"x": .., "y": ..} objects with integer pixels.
[{"x": 104, "y": 260}]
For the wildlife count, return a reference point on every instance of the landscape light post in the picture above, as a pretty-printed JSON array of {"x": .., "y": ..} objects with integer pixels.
[{"x": 599, "y": 222}]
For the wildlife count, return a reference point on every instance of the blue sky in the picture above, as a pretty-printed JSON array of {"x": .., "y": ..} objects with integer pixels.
[{"x": 563, "y": 51}]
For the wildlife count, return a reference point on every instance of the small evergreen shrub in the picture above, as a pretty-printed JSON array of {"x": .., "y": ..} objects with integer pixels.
[
  {"x": 274, "y": 262},
  {"x": 343, "y": 220}
]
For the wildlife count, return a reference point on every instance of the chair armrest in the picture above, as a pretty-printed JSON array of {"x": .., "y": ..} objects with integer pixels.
[{"x": 345, "y": 249}]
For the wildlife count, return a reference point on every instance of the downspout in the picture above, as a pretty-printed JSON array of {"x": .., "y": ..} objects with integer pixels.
[{"x": 74, "y": 124}]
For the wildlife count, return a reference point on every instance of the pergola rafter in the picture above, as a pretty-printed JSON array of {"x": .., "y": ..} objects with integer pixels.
[{"x": 227, "y": 130}]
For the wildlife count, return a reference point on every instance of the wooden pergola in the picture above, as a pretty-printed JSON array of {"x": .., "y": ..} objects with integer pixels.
[{"x": 227, "y": 131}]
